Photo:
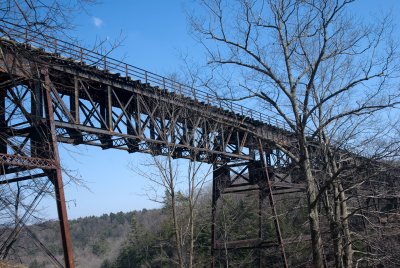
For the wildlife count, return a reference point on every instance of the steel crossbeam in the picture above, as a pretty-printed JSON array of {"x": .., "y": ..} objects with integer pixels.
[{"x": 8, "y": 160}]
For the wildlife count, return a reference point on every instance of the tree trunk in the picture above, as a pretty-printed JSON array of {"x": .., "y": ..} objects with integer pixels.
[
  {"x": 342, "y": 219},
  {"x": 313, "y": 214},
  {"x": 191, "y": 220},
  {"x": 176, "y": 229},
  {"x": 337, "y": 232},
  {"x": 174, "y": 214},
  {"x": 348, "y": 249},
  {"x": 191, "y": 242}
]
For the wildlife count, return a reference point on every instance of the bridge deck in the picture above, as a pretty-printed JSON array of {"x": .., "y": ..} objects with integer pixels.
[{"x": 95, "y": 106}]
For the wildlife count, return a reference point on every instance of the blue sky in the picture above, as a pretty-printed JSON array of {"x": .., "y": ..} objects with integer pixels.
[{"x": 156, "y": 33}]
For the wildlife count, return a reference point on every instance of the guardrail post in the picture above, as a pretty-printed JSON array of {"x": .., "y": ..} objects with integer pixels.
[
  {"x": 26, "y": 37},
  {"x": 194, "y": 93},
  {"x": 163, "y": 81},
  {"x": 55, "y": 46},
  {"x": 105, "y": 62},
  {"x": 81, "y": 56}
]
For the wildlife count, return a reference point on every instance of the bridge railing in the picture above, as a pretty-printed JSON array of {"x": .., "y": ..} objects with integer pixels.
[{"x": 103, "y": 62}]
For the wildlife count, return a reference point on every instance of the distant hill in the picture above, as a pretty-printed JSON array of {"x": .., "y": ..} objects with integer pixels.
[
  {"x": 147, "y": 238},
  {"x": 96, "y": 240}
]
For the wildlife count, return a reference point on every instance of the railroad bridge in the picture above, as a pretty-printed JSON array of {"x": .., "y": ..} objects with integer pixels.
[{"x": 53, "y": 91}]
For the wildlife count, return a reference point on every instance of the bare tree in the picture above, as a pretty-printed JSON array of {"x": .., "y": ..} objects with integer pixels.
[
  {"x": 46, "y": 17},
  {"x": 314, "y": 66},
  {"x": 182, "y": 183},
  {"x": 361, "y": 195}
]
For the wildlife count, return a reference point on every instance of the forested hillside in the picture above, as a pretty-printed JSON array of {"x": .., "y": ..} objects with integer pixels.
[
  {"x": 96, "y": 240},
  {"x": 147, "y": 238},
  {"x": 120, "y": 239}
]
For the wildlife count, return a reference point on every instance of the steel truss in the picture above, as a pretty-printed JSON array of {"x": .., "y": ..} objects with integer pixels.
[
  {"x": 29, "y": 142},
  {"x": 263, "y": 180},
  {"x": 45, "y": 99}
]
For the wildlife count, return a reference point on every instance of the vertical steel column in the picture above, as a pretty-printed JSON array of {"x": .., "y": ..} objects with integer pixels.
[
  {"x": 106, "y": 114},
  {"x": 3, "y": 125},
  {"x": 37, "y": 99},
  {"x": 57, "y": 181},
  {"x": 133, "y": 125},
  {"x": 103, "y": 100},
  {"x": 74, "y": 101},
  {"x": 260, "y": 225},
  {"x": 38, "y": 132},
  {"x": 221, "y": 177},
  {"x": 109, "y": 118},
  {"x": 213, "y": 213},
  {"x": 272, "y": 202}
]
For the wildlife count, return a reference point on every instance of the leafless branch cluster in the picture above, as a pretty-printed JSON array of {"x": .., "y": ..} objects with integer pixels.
[{"x": 332, "y": 78}]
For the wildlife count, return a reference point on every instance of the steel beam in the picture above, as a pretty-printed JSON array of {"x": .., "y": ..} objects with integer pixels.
[
  {"x": 272, "y": 201},
  {"x": 214, "y": 199},
  {"x": 3, "y": 125},
  {"x": 9, "y": 160},
  {"x": 57, "y": 181},
  {"x": 23, "y": 178}
]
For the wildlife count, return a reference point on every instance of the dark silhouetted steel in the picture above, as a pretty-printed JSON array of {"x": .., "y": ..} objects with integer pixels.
[{"x": 52, "y": 91}]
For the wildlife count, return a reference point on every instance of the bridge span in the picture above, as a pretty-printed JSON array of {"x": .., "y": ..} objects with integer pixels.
[{"x": 53, "y": 91}]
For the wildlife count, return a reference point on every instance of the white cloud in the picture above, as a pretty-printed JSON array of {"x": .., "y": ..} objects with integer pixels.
[{"x": 97, "y": 22}]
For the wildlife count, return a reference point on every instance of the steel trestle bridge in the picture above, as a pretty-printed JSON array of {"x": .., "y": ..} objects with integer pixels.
[{"x": 53, "y": 91}]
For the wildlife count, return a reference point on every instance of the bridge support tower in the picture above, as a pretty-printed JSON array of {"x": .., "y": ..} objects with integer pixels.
[
  {"x": 247, "y": 181},
  {"x": 28, "y": 144}
]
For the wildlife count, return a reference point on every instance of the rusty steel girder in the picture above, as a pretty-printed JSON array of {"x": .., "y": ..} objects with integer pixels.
[{"x": 46, "y": 98}]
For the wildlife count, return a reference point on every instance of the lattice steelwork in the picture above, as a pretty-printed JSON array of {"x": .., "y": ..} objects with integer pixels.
[{"x": 47, "y": 97}]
